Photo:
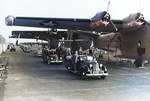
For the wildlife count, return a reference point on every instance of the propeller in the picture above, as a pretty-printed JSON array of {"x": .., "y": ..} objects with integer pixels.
[
  {"x": 16, "y": 42},
  {"x": 147, "y": 23},
  {"x": 52, "y": 31},
  {"x": 143, "y": 18},
  {"x": 106, "y": 16},
  {"x": 17, "y": 39},
  {"x": 108, "y": 6}
]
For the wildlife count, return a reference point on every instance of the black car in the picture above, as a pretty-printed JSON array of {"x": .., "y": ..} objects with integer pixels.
[
  {"x": 87, "y": 66},
  {"x": 12, "y": 48},
  {"x": 27, "y": 49}
]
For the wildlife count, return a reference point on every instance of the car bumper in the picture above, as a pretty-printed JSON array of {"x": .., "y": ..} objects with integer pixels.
[
  {"x": 39, "y": 55},
  {"x": 102, "y": 74},
  {"x": 55, "y": 61}
]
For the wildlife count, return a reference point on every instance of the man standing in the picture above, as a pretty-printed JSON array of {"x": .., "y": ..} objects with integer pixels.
[{"x": 74, "y": 60}]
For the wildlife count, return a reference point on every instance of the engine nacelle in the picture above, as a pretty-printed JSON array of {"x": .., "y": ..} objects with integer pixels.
[
  {"x": 134, "y": 19},
  {"x": 100, "y": 19}
]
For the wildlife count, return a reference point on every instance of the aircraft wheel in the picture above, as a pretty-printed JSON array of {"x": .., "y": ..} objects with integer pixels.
[{"x": 83, "y": 74}]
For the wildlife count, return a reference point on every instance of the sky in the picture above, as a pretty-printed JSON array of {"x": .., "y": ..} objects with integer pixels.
[{"x": 118, "y": 9}]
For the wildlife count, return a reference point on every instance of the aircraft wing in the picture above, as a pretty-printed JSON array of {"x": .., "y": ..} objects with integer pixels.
[
  {"x": 118, "y": 23},
  {"x": 42, "y": 35},
  {"x": 59, "y": 23},
  {"x": 46, "y": 35}
]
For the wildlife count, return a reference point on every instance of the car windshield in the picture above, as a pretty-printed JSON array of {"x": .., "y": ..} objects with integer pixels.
[{"x": 87, "y": 58}]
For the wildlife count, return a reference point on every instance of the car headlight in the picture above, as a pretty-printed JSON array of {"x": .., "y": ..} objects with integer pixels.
[
  {"x": 51, "y": 58},
  {"x": 100, "y": 65},
  {"x": 91, "y": 65}
]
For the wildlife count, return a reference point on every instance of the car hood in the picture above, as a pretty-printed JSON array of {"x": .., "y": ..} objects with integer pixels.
[{"x": 87, "y": 62}]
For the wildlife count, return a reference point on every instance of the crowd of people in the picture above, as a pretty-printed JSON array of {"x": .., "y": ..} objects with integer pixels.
[{"x": 67, "y": 54}]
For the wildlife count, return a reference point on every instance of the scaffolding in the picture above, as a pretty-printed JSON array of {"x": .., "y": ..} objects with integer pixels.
[
  {"x": 116, "y": 40},
  {"x": 3, "y": 66}
]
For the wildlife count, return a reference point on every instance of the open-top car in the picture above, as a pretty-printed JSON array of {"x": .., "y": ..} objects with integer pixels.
[
  {"x": 12, "y": 48},
  {"x": 51, "y": 56},
  {"x": 87, "y": 66},
  {"x": 38, "y": 53},
  {"x": 27, "y": 49}
]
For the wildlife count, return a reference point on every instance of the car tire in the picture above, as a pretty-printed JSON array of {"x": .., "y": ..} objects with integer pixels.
[
  {"x": 103, "y": 77},
  {"x": 83, "y": 74},
  {"x": 48, "y": 62},
  {"x": 68, "y": 71}
]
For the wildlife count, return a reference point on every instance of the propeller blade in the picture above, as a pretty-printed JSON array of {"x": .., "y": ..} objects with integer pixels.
[
  {"x": 109, "y": 19},
  {"x": 147, "y": 23},
  {"x": 16, "y": 42},
  {"x": 113, "y": 24},
  {"x": 108, "y": 6}
]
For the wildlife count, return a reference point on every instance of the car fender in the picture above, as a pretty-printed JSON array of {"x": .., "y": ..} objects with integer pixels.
[
  {"x": 104, "y": 68},
  {"x": 85, "y": 67}
]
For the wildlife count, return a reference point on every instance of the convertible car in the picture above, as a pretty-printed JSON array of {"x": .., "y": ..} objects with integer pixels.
[
  {"x": 12, "y": 48},
  {"x": 51, "y": 56},
  {"x": 87, "y": 66},
  {"x": 38, "y": 53}
]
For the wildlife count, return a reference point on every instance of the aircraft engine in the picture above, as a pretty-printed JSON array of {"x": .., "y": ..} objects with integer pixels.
[
  {"x": 133, "y": 20},
  {"x": 100, "y": 19}
]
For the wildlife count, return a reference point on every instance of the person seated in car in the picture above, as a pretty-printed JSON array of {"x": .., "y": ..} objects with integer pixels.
[
  {"x": 67, "y": 57},
  {"x": 80, "y": 51}
]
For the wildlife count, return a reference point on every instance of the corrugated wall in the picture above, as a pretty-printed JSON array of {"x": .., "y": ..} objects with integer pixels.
[{"x": 3, "y": 44}]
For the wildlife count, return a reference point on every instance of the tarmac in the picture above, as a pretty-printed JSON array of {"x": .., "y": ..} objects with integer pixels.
[{"x": 29, "y": 79}]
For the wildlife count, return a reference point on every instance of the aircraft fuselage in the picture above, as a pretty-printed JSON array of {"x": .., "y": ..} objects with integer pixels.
[{"x": 128, "y": 43}]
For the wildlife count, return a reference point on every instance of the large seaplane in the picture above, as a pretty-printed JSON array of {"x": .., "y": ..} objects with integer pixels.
[{"x": 131, "y": 35}]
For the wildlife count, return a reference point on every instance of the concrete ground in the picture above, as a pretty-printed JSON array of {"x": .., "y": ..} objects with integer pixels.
[{"x": 29, "y": 79}]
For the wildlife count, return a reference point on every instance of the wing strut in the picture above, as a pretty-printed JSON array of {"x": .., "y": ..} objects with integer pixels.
[{"x": 17, "y": 39}]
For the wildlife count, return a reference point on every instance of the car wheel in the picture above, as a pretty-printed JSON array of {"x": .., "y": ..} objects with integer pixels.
[
  {"x": 103, "y": 77},
  {"x": 68, "y": 71},
  {"x": 83, "y": 74},
  {"x": 48, "y": 62}
]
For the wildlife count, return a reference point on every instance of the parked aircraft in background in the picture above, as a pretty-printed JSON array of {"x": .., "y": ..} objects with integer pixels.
[{"x": 75, "y": 42}]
